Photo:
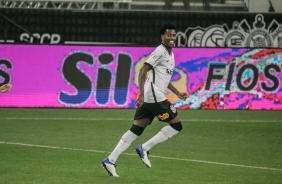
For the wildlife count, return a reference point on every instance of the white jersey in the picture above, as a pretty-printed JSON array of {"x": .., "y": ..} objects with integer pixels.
[{"x": 159, "y": 76}]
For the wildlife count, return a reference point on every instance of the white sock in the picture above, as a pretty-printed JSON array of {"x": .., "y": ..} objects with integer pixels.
[
  {"x": 123, "y": 144},
  {"x": 164, "y": 134}
]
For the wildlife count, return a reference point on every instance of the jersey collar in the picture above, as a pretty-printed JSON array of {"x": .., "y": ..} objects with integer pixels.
[{"x": 166, "y": 48}]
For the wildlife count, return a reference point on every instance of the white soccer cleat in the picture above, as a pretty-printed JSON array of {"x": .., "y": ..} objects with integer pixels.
[
  {"x": 144, "y": 155},
  {"x": 110, "y": 167}
]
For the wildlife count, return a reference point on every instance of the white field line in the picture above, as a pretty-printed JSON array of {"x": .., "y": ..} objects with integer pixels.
[
  {"x": 154, "y": 156},
  {"x": 129, "y": 119}
]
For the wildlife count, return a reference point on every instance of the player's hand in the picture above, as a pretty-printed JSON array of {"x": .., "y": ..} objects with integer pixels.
[
  {"x": 182, "y": 95},
  {"x": 140, "y": 100},
  {"x": 5, "y": 88}
]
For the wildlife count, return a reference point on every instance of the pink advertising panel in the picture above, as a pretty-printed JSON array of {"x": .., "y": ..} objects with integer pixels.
[{"x": 106, "y": 77}]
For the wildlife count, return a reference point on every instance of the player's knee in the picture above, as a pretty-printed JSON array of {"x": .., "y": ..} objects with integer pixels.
[
  {"x": 137, "y": 129},
  {"x": 177, "y": 126}
]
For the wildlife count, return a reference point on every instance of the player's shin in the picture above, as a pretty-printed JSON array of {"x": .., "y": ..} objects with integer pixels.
[
  {"x": 125, "y": 142},
  {"x": 164, "y": 134}
]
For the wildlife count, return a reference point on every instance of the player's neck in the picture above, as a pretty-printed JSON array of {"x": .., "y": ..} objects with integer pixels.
[{"x": 167, "y": 48}]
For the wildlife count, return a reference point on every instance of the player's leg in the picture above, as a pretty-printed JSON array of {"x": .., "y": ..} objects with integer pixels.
[
  {"x": 125, "y": 141},
  {"x": 164, "y": 134},
  {"x": 142, "y": 119},
  {"x": 143, "y": 154},
  {"x": 168, "y": 131},
  {"x": 133, "y": 133}
]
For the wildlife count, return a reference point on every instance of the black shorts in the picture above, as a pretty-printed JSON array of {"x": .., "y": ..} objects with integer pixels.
[{"x": 164, "y": 111}]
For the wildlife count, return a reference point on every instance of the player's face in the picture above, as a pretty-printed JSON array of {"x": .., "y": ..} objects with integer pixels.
[{"x": 169, "y": 37}]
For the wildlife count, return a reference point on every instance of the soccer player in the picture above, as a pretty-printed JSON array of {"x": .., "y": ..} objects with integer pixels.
[
  {"x": 5, "y": 88},
  {"x": 151, "y": 102}
]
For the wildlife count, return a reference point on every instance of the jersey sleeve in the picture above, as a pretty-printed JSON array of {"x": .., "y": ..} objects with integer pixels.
[{"x": 154, "y": 58}]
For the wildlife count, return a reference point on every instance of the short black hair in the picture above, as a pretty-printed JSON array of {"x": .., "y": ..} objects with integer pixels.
[{"x": 165, "y": 27}]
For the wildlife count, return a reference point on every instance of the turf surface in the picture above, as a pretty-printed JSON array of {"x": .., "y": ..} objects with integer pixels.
[{"x": 68, "y": 145}]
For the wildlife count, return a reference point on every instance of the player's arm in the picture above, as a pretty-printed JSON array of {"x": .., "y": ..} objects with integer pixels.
[
  {"x": 180, "y": 95},
  {"x": 5, "y": 88},
  {"x": 141, "y": 82}
]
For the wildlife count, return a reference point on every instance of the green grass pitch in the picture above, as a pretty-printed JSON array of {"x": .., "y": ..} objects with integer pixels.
[{"x": 66, "y": 146}]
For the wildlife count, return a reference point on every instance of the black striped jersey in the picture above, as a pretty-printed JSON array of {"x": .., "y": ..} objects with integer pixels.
[{"x": 159, "y": 76}]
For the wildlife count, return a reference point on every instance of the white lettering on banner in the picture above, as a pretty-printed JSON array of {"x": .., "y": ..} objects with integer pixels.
[
  {"x": 240, "y": 35},
  {"x": 44, "y": 38}
]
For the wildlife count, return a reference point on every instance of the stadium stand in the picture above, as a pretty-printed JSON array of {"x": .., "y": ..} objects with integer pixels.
[
  {"x": 195, "y": 5},
  {"x": 68, "y": 4}
]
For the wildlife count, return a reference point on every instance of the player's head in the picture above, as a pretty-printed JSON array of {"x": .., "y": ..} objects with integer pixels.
[{"x": 168, "y": 35}]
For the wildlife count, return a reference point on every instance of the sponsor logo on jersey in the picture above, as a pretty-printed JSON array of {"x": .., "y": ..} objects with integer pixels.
[{"x": 169, "y": 72}]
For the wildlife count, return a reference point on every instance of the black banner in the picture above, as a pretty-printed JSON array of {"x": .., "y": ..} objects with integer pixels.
[{"x": 194, "y": 29}]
